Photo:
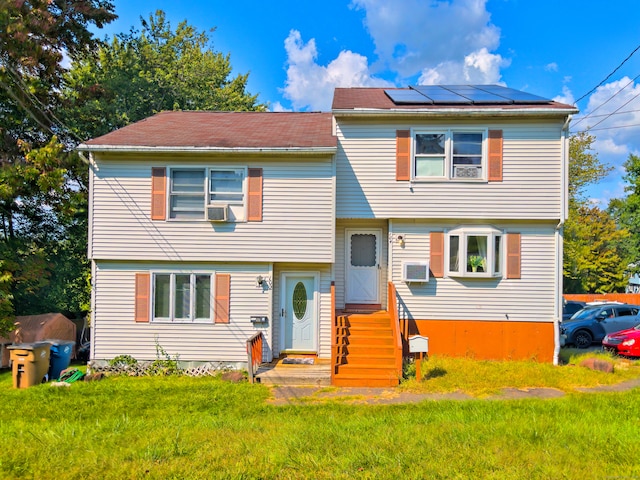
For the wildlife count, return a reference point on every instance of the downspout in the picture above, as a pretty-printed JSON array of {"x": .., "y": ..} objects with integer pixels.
[{"x": 559, "y": 238}]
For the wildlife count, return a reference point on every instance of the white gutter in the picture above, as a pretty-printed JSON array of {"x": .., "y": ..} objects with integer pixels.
[
  {"x": 191, "y": 149},
  {"x": 453, "y": 112},
  {"x": 559, "y": 238}
]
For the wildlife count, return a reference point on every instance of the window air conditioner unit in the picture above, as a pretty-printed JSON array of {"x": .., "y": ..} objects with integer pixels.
[
  {"x": 217, "y": 213},
  {"x": 466, "y": 172},
  {"x": 415, "y": 272}
]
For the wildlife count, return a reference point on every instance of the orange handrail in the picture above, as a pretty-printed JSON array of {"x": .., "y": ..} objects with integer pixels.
[
  {"x": 334, "y": 337},
  {"x": 392, "y": 308},
  {"x": 254, "y": 354}
]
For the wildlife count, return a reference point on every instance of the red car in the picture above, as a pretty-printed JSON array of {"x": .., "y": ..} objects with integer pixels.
[{"x": 624, "y": 342}]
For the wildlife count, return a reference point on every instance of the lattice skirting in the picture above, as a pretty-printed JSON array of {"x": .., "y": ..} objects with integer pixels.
[{"x": 143, "y": 369}]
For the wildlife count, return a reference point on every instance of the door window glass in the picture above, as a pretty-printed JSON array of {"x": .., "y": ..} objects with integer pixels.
[
  {"x": 363, "y": 250},
  {"x": 299, "y": 300}
]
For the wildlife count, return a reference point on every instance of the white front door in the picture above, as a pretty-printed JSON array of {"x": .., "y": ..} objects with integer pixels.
[
  {"x": 299, "y": 312},
  {"x": 363, "y": 266}
]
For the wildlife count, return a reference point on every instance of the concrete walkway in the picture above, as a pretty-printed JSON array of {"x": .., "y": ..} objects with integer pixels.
[{"x": 283, "y": 395}]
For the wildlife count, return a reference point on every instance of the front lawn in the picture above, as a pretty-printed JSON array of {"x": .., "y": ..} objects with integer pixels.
[{"x": 189, "y": 428}]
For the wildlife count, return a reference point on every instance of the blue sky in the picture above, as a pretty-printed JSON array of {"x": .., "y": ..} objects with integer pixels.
[{"x": 296, "y": 52}]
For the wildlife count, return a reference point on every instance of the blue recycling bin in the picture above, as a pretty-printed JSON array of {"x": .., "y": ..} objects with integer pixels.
[{"x": 61, "y": 352}]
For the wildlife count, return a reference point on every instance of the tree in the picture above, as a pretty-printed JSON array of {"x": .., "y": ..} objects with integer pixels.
[
  {"x": 36, "y": 188},
  {"x": 626, "y": 211},
  {"x": 142, "y": 73},
  {"x": 584, "y": 167},
  {"x": 595, "y": 258},
  {"x": 595, "y": 250}
]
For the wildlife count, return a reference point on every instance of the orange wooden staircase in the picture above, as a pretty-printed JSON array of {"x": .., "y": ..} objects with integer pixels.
[{"x": 365, "y": 353}]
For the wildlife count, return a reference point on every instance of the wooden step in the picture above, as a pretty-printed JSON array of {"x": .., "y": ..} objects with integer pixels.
[
  {"x": 353, "y": 321},
  {"x": 357, "y": 330},
  {"x": 365, "y": 369},
  {"x": 377, "y": 340},
  {"x": 371, "y": 359},
  {"x": 355, "y": 380},
  {"x": 366, "y": 350}
]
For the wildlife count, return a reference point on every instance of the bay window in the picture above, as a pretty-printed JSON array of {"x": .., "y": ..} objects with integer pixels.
[{"x": 474, "y": 252}]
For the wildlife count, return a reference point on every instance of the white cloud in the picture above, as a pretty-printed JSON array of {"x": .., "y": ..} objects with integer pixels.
[
  {"x": 439, "y": 41},
  {"x": 551, "y": 67},
  {"x": 415, "y": 36},
  {"x": 566, "y": 97},
  {"x": 310, "y": 86},
  {"x": 477, "y": 67}
]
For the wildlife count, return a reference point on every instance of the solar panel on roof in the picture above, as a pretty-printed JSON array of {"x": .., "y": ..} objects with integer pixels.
[
  {"x": 462, "y": 95},
  {"x": 476, "y": 95},
  {"x": 517, "y": 96},
  {"x": 440, "y": 95},
  {"x": 407, "y": 96}
]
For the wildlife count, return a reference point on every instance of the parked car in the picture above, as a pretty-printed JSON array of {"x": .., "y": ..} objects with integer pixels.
[
  {"x": 570, "y": 308},
  {"x": 593, "y": 322},
  {"x": 625, "y": 342}
]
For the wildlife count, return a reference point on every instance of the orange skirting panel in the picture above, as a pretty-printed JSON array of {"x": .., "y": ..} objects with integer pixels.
[{"x": 487, "y": 340}]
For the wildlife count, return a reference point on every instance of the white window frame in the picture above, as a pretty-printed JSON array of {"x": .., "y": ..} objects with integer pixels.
[
  {"x": 172, "y": 300},
  {"x": 448, "y": 167},
  {"x": 463, "y": 233},
  {"x": 238, "y": 207}
]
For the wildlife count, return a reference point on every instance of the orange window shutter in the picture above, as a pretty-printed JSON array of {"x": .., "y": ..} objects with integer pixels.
[
  {"x": 158, "y": 193},
  {"x": 513, "y": 255},
  {"x": 403, "y": 155},
  {"x": 495, "y": 155},
  {"x": 223, "y": 297},
  {"x": 436, "y": 247},
  {"x": 255, "y": 195},
  {"x": 143, "y": 296}
]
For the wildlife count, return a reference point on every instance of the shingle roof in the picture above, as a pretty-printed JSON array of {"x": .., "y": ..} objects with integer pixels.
[
  {"x": 206, "y": 129},
  {"x": 363, "y": 98}
]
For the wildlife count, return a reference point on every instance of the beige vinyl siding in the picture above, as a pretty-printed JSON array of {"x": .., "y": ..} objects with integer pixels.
[
  {"x": 528, "y": 299},
  {"x": 324, "y": 290},
  {"x": 115, "y": 331},
  {"x": 531, "y": 186},
  {"x": 297, "y": 225}
]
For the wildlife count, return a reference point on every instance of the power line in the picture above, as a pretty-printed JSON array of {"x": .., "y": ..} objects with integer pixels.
[
  {"x": 621, "y": 106},
  {"x": 607, "y": 128},
  {"x": 609, "y": 76},
  {"x": 608, "y": 100}
]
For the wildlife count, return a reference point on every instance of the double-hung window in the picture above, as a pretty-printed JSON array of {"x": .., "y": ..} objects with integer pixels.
[
  {"x": 449, "y": 154},
  {"x": 182, "y": 297},
  {"x": 192, "y": 190},
  {"x": 474, "y": 252}
]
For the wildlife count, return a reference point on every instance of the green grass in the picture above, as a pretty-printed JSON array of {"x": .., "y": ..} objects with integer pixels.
[
  {"x": 481, "y": 378},
  {"x": 191, "y": 428}
]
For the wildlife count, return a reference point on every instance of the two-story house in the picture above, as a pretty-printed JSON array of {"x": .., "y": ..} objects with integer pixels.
[{"x": 207, "y": 227}]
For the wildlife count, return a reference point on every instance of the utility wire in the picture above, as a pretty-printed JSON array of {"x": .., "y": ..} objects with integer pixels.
[
  {"x": 609, "y": 76},
  {"x": 621, "y": 106},
  {"x": 608, "y": 100}
]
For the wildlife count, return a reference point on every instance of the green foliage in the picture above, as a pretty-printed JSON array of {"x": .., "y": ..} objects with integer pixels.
[
  {"x": 584, "y": 167},
  {"x": 182, "y": 427},
  {"x": 40, "y": 185},
  {"x": 595, "y": 258},
  {"x": 596, "y": 251},
  {"x": 626, "y": 211},
  {"x": 164, "y": 364},
  {"x": 142, "y": 73},
  {"x": 45, "y": 111},
  {"x": 123, "y": 361}
]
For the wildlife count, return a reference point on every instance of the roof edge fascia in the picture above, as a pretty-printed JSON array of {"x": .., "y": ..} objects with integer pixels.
[
  {"x": 450, "y": 112},
  {"x": 164, "y": 149}
]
